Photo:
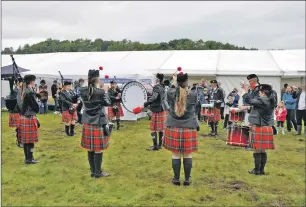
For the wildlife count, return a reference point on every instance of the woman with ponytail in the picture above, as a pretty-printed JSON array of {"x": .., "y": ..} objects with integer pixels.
[
  {"x": 261, "y": 122},
  {"x": 96, "y": 133},
  {"x": 28, "y": 123},
  {"x": 180, "y": 135},
  {"x": 69, "y": 113}
]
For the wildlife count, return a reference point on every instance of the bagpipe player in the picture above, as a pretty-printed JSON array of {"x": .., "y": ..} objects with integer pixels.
[
  {"x": 96, "y": 131},
  {"x": 115, "y": 111}
]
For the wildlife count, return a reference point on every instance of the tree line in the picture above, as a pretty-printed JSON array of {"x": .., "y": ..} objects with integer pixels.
[{"x": 97, "y": 45}]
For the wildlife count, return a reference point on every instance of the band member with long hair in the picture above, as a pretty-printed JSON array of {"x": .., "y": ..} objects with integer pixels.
[
  {"x": 28, "y": 123},
  {"x": 115, "y": 111},
  {"x": 43, "y": 91},
  {"x": 181, "y": 128},
  {"x": 159, "y": 114},
  {"x": 69, "y": 114},
  {"x": 261, "y": 127},
  {"x": 95, "y": 136},
  {"x": 216, "y": 95}
]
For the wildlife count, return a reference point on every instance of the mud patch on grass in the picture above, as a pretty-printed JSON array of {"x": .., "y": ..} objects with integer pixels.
[
  {"x": 207, "y": 198},
  {"x": 236, "y": 185}
]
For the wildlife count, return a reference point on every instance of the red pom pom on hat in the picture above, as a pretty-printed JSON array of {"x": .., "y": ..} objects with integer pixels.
[
  {"x": 179, "y": 68},
  {"x": 181, "y": 73},
  {"x": 106, "y": 76},
  {"x": 137, "y": 110},
  {"x": 100, "y": 68}
]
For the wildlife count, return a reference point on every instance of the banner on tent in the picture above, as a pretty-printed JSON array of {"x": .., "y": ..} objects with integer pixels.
[{"x": 125, "y": 80}]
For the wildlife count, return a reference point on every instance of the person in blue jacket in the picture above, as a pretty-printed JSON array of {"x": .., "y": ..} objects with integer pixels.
[{"x": 290, "y": 103}]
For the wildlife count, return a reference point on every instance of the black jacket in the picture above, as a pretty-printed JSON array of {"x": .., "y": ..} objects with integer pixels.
[
  {"x": 54, "y": 90},
  {"x": 67, "y": 98},
  {"x": 216, "y": 96},
  {"x": 29, "y": 105},
  {"x": 156, "y": 99},
  {"x": 94, "y": 109},
  {"x": 113, "y": 94},
  {"x": 296, "y": 95}
]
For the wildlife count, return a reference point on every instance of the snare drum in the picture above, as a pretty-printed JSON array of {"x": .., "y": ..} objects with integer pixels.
[
  {"x": 207, "y": 110},
  {"x": 236, "y": 115},
  {"x": 238, "y": 136}
]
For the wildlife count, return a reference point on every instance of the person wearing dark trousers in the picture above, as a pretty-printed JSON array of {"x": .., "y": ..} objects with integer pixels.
[
  {"x": 54, "y": 91},
  {"x": 229, "y": 104},
  {"x": 300, "y": 97},
  {"x": 79, "y": 85},
  {"x": 115, "y": 111},
  {"x": 290, "y": 104},
  {"x": 43, "y": 91},
  {"x": 182, "y": 125},
  {"x": 69, "y": 104},
  {"x": 261, "y": 126},
  {"x": 159, "y": 113},
  {"x": 95, "y": 133},
  {"x": 222, "y": 104},
  {"x": 216, "y": 95},
  {"x": 28, "y": 123}
]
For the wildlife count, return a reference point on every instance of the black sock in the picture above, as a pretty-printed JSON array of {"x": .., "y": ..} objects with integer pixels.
[
  {"x": 161, "y": 134},
  {"x": 154, "y": 138},
  {"x": 91, "y": 161},
  {"x": 72, "y": 129},
  {"x": 25, "y": 150},
  {"x": 67, "y": 129},
  {"x": 98, "y": 163},
  {"x": 212, "y": 126},
  {"x": 176, "y": 166},
  {"x": 187, "y": 168}
]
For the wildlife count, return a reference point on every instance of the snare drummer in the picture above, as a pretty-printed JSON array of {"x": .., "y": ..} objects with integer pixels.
[
  {"x": 95, "y": 137},
  {"x": 115, "y": 111},
  {"x": 216, "y": 95},
  {"x": 261, "y": 127},
  {"x": 69, "y": 114},
  {"x": 159, "y": 113}
]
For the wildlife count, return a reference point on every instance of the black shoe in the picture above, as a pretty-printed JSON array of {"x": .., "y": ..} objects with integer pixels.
[
  {"x": 213, "y": 134},
  {"x": 28, "y": 162},
  {"x": 254, "y": 172},
  {"x": 102, "y": 174},
  {"x": 153, "y": 148},
  {"x": 159, "y": 147},
  {"x": 176, "y": 182},
  {"x": 187, "y": 182}
]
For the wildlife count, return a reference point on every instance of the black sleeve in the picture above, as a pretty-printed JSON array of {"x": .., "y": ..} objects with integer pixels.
[
  {"x": 294, "y": 95},
  {"x": 112, "y": 97},
  {"x": 64, "y": 100},
  {"x": 31, "y": 101},
  {"x": 154, "y": 96}
]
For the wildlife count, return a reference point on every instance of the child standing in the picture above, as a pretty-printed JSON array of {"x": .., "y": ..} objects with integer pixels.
[
  {"x": 227, "y": 107},
  {"x": 281, "y": 114}
]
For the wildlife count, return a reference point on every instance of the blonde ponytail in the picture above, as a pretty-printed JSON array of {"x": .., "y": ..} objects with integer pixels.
[
  {"x": 181, "y": 101},
  {"x": 22, "y": 90}
]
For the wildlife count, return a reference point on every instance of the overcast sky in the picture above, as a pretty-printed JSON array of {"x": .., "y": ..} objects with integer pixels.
[{"x": 264, "y": 25}]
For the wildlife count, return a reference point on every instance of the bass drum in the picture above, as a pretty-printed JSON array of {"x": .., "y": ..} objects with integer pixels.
[
  {"x": 134, "y": 94},
  {"x": 149, "y": 89}
]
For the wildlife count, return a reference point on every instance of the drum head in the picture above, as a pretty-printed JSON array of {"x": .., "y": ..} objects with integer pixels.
[{"x": 134, "y": 94}]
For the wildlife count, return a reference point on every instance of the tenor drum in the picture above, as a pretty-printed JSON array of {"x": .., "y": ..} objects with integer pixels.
[
  {"x": 238, "y": 136},
  {"x": 236, "y": 115},
  {"x": 134, "y": 94},
  {"x": 207, "y": 109}
]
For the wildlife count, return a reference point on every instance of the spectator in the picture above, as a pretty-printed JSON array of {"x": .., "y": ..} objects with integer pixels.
[
  {"x": 284, "y": 90},
  {"x": 229, "y": 104},
  {"x": 54, "y": 91},
  {"x": 235, "y": 96},
  {"x": 200, "y": 92},
  {"x": 281, "y": 114},
  {"x": 222, "y": 104},
  {"x": 290, "y": 106},
  {"x": 300, "y": 97},
  {"x": 43, "y": 91}
]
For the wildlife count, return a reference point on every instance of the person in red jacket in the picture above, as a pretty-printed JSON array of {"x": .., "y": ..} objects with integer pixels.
[{"x": 281, "y": 114}]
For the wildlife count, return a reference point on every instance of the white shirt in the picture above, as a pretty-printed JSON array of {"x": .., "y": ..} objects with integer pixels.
[{"x": 302, "y": 105}]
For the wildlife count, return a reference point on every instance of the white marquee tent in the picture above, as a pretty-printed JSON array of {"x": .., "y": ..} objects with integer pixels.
[{"x": 229, "y": 67}]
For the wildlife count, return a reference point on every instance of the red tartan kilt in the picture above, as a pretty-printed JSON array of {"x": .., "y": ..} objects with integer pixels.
[
  {"x": 93, "y": 138},
  {"x": 182, "y": 140},
  {"x": 67, "y": 117},
  {"x": 28, "y": 130},
  {"x": 206, "y": 111},
  {"x": 216, "y": 115},
  {"x": 158, "y": 121},
  {"x": 14, "y": 119},
  {"x": 262, "y": 137},
  {"x": 111, "y": 114}
]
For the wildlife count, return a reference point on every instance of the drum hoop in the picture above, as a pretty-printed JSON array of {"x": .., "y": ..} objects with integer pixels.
[{"x": 123, "y": 90}]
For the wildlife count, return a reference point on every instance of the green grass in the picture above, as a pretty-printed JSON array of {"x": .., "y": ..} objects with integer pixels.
[{"x": 142, "y": 178}]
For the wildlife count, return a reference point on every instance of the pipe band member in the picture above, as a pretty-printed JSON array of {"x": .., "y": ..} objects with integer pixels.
[
  {"x": 95, "y": 137},
  {"x": 69, "y": 114},
  {"x": 159, "y": 114},
  {"x": 181, "y": 128},
  {"x": 115, "y": 111},
  {"x": 216, "y": 95},
  {"x": 261, "y": 127},
  {"x": 28, "y": 123}
]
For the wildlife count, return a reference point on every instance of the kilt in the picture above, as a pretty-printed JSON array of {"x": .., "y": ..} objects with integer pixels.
[
  {"x": 182, "y": 140},
  {"x": 111, "y": 114},
  {"x": 28, "y": 129},
  {"x": 93, "y": 138},
  {"x": 14, "y": 120},
  {"x": 216, "y": 115},
  {"x": 67, "y": 117},
  {"x": 158, "y": 121},
  {"x": 262, "y": 137}
]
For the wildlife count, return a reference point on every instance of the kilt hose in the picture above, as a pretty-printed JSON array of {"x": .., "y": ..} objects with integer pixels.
[
  {"x": 14, "y": 120},
  {"x": 118, "y": 114},
  {"x": 213, "y": 115},
  {"x": 93, "y": 138},
  {"x": 182, "y": 140},
  {"x": 158, "y": 121},
  {"x": 67, "y": 117},
  {"x": 262, "y": 137},
  {"x": 28, "y": 129}
]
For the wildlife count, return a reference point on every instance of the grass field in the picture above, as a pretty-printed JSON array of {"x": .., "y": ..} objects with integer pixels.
[{"x": 142, "y": 178}]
